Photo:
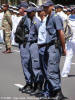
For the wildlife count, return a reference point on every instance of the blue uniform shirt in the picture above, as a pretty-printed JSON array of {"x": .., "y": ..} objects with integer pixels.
[
  {"x": 33, "y": 34},
  {"x": 53, "y": 24},
  {"x": 27, "y": 23}
]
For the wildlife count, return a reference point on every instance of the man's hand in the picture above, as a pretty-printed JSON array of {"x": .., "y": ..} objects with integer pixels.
[
  {"x": 62, "y": 39},
  {"x": 2, "y": 28},
  {"x": 64, "y": 52}
]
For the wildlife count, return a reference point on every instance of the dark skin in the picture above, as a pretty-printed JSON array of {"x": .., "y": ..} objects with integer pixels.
[
  {"x": 21, "y": 12},
  {"x": 48, "y": 10},
  {"x": 31, "y": 15},
  {"x": 42, "y": 14},
  {"x": 73, "y": 12},
  {"x": 0, "y": 11},
  {"x": 68, "y": 13},
  {"x": 5, "y": 8},
  {"x": 59, "y": 9}
]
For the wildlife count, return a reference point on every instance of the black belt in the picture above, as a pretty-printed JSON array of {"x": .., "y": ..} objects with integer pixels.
[
  {"x": 47, "y": 44},
  {"x": 51, "y": 43}
]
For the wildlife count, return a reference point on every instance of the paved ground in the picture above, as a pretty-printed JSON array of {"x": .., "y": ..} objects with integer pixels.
[{"x": 11, "y": 77}]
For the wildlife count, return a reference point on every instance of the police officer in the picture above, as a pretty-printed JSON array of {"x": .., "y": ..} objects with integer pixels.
[
  {"x": 7, "y": 26},
  {"x": 25, "y": 54},
  {"x": 59, "y": 8},
  {"x": 42, "y": 33},
  {"x": 68, "y": 12},
  {"x": 54, "y": 27},
  {"x": 33, "y": 36}
]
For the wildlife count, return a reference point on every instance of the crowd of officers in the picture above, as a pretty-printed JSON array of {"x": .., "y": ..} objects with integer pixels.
[{"x": 40, "y": 60}]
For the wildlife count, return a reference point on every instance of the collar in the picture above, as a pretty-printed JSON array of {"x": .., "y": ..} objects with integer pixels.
[
  {"x": 44, "y": 20},
  {"x": 52, "y": 14}
]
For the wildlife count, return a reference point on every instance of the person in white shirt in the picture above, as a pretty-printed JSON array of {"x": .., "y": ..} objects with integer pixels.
[
  {"x": 1, "y": 31},
  {"x": 59, "y": 11},
  {"x": 70, "y": 47},
  {"x": 68, "y": 12},
  {"x": 15, "y": 21}
]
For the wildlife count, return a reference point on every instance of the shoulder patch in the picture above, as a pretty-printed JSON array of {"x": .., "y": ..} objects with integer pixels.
[
  {"x": 35, "y": 22},
  {"x": 55, "y": 15}
]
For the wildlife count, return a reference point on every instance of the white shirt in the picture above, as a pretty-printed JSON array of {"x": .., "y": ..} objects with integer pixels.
[
  {"x": 62, "y": 15},
  {"x": 42, "y": 32},
  {"x": 72, "y": 23},
  {"x": 1, "y": 17},
  {"x": 15, "y": 21}
]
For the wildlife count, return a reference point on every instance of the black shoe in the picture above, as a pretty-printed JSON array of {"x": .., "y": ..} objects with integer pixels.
[
  {"x": 28, "y": 88},
  {"x": 59, "y": 96},
  {"x": 44, "y": 97},
  {"x": 39, "y": 95},
  {"x": 37, "y": 89},
  {"x": 35, "y": 92},
  {"x": 21, "y": 89},
  {"x": 33, "y": 89}
]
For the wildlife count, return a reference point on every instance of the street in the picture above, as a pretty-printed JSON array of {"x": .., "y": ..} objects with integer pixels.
[{"x": 11, "y": 77}]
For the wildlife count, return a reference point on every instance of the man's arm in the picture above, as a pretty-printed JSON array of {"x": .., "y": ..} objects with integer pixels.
[
  {"x": 62, "y": 39},
  {"x": 8, "y": 16}
]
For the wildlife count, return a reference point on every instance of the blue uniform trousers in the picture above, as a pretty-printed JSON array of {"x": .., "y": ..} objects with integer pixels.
[
  {"x": 53, "y": 72},
  {"x": 43, "y": 64},
  {"x": 26, "y": 62},
  {"x": 50, "y": 60},
  {"x": 36, "y": 63}
]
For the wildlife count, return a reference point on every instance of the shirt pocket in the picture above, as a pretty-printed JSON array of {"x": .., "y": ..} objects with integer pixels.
[
  {"x": 54, "y": 55},
  {"x": 50, "y": 29}
]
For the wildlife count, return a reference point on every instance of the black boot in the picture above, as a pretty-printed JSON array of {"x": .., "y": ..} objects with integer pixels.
[
  {"x": 27, "y": 88},
  {"x": 21, "y": 89},
  {"x": 37, "y": 89},
  {"x": 45, "y": 97},
  {"x": 40, "y": 94},
  {"x": 33, "y": 89},
  {"x": 58, "y": 95}
]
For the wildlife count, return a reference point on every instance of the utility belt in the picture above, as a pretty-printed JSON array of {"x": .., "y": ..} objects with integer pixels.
[
  {"x": 31, "y": 42},
  {"x": 53, "y": 42}
]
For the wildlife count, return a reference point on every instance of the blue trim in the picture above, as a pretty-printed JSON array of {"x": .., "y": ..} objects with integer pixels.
[{"x": 72, "y": 17}]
